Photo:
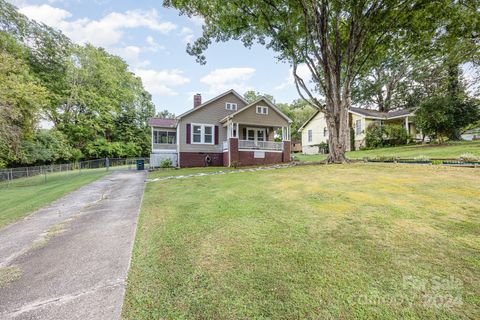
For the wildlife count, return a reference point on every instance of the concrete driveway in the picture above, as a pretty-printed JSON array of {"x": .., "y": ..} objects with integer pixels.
[{"x": 70, "y": 259}]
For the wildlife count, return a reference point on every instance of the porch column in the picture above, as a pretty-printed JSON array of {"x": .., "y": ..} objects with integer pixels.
[
  {"x": 233, "y": 154},
  {"x": 286, "y": 149},
  {"x": 407, "y": 127},
  {"x": 229, "y": 129}
]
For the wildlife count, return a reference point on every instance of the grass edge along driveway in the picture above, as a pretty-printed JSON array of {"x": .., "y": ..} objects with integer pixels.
[
  {"x": 344, "y": 241},
  {"x": 24, "y": 197}
]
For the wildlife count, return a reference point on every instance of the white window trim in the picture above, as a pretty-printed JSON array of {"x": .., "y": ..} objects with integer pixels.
[
  {"x": 309, "y": 135},
  {"x": 255, "y": 136},
  {"x": 264, "y": 109},
  {"x": 230, "y": 106},
  {"x": 163, "y": 130},
  {"x": 202, "y": 133},
  {"x": 358, "y": 131}
]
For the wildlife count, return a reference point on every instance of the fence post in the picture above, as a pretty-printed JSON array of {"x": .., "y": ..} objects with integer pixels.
[
  {"x": 45, "y": 174},
  {"x": 107, "y": 163}
]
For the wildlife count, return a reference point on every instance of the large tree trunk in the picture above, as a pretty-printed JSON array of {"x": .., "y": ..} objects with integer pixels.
[{"x": 339, "y": 133}]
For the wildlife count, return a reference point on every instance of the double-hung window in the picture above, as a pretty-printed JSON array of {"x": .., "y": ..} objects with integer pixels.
[
  {"x": 165, "y": 137},
  {"x": 202, "y": 134},
  {"x": 231, "y": 106},
  {"x": 310, "y": 135},
  {"x": 358, "y": 127},
  {"x": 262, "y": 110}
]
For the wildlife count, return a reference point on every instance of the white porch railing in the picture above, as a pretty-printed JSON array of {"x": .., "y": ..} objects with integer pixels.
[
  {"x": 260, "y": 145},
  {"x": 225, "y": 145}
]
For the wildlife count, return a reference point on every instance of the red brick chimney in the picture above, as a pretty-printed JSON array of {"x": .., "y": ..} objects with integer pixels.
[{"x": 197, "y": 100}]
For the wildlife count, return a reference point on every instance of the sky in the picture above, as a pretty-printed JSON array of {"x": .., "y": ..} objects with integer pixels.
[{"x": 153, "y": 39}]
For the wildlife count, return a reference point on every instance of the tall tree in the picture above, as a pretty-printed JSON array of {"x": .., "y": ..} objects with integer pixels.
[
  {"x": 21, "y": 99},
  {"x": 335, "y": 39},
  {"x": 252, "y": 95}
]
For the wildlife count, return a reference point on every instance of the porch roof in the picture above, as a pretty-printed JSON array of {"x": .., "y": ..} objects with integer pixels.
[
  {"x": 374, "y": 114},
  {"x": 163, "y": 123}
]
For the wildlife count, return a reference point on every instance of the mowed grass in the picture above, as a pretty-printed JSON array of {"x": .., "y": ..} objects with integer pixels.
[
  {"x": 23, "y": 196},
  {"x": 170, "y": 172},
  {"x": 356, "y": 241},
  {"x": 448, "y": 150}
]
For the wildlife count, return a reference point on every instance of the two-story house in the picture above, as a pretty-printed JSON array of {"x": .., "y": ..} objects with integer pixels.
[{"x": 224, "y": 131}]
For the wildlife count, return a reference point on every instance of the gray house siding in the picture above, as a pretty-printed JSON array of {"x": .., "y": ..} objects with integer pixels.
[{"x": 211, "y": 113}]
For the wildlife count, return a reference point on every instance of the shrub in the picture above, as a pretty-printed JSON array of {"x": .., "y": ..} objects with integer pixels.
[
  {"x": 396, "y": 135},
  {"x": 468, "y": 157},
  {"x": 167, "y": 163},
  {"x": 390, "y": 135},
  {"x": 235, "y": 164},
  {"x": 374, "y": 136},
  {"x": 323, "y": 147}
]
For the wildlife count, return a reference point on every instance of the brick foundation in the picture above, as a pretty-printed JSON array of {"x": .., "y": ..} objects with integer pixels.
[
  {"x": 197, "y": 159},
  {"x": 225, "y": 159},
  {"x": 247, "y": 158}
]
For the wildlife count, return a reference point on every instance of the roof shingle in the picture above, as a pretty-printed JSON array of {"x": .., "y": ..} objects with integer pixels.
[{"x": 165, "y": 123}]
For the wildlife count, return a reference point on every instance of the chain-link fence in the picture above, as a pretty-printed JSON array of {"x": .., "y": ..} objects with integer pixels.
[{"x": 26, "y": 176}]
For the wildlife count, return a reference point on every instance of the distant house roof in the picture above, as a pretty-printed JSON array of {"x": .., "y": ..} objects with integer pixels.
[
  {"x": 164, "y": 123},
  {"x": 367, "y": 113},
  {"x": 380, "y": 115},
  {"x": 472, "y": 131}
]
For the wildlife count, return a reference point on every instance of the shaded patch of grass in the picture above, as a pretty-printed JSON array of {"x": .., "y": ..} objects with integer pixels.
[{"x": 344, "y": 241}]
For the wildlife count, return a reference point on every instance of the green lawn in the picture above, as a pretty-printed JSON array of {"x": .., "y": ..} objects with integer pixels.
[
  {"x": 315, "y": 242},
  {"x": 24, "y": 196},
  {"x": 160, "y": 173},
  {"x": 448, "y": 150}
]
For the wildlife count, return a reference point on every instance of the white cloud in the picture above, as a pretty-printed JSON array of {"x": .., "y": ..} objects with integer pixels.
[
  {"x": 224, "y": 79},
  {"x": 105, "y": 32},
  {"x": 187, "y": 35},
  {"x": 160, "y": 82},
  {"x": 49, "y": 15},
  {"x": 302, "y": 70},
  {"x": 153, "y": 45},
  {"x": 131, "y": 54},
  {"x": 197, "y": 20}
]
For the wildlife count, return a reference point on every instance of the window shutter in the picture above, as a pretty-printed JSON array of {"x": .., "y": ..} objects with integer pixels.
[
  {"x": 188, "y": 133},
  {"x": 245, "y": 134},
  {"x": 216, "y": 134}
]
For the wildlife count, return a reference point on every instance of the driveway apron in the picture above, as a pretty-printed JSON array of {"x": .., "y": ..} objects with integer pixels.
[{"x": 70, "y": 260}]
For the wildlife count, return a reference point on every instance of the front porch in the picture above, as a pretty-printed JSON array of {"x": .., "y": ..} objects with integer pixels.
[{"x": 249, "y": 144}]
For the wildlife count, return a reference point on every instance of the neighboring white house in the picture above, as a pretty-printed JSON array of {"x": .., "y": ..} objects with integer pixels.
[
  {"x": 472, "y": 134},
  {"x": 315, "y": 130}
]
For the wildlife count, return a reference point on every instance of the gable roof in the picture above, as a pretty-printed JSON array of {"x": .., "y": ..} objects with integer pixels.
[
  {"x": 271, "y": 105},
  {"x": 212, "y": 100},
  {"x": 308, "y": 121},
  {"x": 367, "y": 113},
  {"x": 374, "y": 114},
  {"x": 165, "y": 123}
]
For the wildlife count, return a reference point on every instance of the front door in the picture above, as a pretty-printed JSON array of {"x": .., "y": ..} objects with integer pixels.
[{"x": 256, "y": 134}]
